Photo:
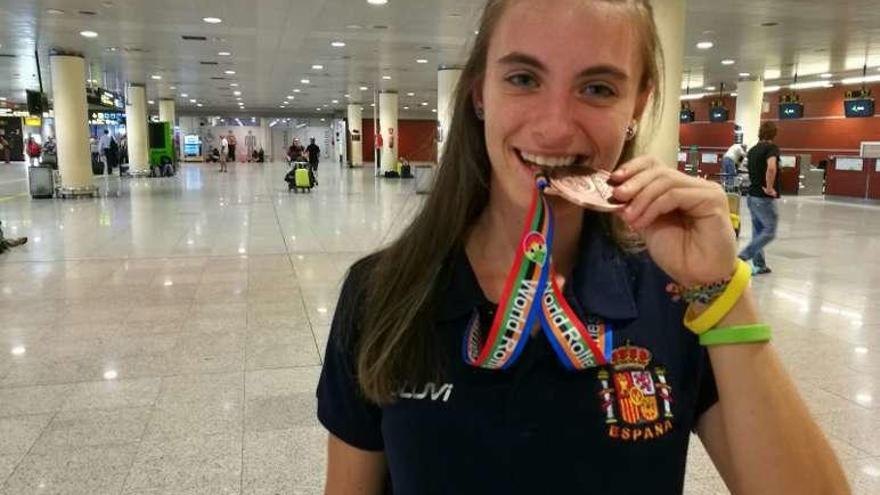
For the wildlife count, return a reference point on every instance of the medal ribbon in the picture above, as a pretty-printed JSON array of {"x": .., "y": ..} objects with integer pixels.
[{"x": 577, "y": 346}]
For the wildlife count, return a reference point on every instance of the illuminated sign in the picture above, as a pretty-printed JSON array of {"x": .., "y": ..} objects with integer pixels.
[
  {"x": 33, "y": 121},
  {"x": 859, "y": 107},
  {"x": 719, "y": 114},
  {"x": 791, "y": 110}
]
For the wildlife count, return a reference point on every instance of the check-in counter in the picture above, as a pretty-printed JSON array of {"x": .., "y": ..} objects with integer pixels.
[{"x": 854, "y": 177}]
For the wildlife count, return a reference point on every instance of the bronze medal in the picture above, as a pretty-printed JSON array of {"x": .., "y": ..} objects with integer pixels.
[{"x": 589, "y": 191}]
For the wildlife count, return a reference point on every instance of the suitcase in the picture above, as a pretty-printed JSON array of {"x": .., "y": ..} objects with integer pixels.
[
  {"x": 41, "y": 182},
  {"x": 302, "y": 179}
]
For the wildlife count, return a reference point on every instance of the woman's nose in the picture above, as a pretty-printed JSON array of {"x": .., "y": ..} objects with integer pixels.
[{"x": 554, "y": 126}]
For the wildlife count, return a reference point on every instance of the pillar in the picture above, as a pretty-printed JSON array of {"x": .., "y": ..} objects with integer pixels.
[
  {"x": 266, "y": 140},
  {"x": 355, "y": 129},
  {"x": 447, "y": 81},
  {"x": 388, "y": 127},
  {"x": 136, "y": 129},
  {"x": 71, "y": 122},
  {"x": 168, "y": 112},
  {"x": 749, "y": 106},
  {"x": 659, "y": 133}
]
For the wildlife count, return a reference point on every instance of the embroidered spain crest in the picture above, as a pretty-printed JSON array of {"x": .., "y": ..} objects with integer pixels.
[{"x": 636, "y": 398}]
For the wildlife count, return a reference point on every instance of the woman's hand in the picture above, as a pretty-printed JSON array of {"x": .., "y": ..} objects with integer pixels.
[{"x": 685, "y": 221}]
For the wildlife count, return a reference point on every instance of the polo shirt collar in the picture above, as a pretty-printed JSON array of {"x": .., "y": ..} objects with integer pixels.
[{"x": 601, "y": 282}]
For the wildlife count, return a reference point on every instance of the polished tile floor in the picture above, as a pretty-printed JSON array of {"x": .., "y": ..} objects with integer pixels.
[{"x": 166, "y": 337}]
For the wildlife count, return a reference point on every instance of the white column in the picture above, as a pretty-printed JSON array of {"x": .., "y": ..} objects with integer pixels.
[
  {"x": 355, "y": 130},
  {"x": 340, "y": 133},
  {"x": 168, "y": 112},
  {"x": 749, "y": 106},
  {"x": 71, "y": 122},
  {"x": 388, "y": 128},
  {"x": 266, "y": 139},
  {"x": 136, "y": 128},
  {"x": 447, "y": 81},
  {"x": 659, "y": 135}
]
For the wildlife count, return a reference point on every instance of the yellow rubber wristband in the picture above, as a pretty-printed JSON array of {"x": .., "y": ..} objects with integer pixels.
[{"x": 721, "y": 306}]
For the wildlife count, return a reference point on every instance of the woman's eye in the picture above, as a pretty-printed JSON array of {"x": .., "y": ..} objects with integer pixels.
[
  {"x": 600, "y": 90},
  {"x": 522, "y": 80}
]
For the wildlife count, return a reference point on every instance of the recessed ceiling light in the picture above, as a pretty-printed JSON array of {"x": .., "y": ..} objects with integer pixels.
[
  {"x": 290, "y": 97},
  {"x": 424, "y": 103},
  {"x": 318, "y": 109},
  {"x": 826, "y": 75},
  {"x": 151, "y": 102},
  {"x": 88, "y": 34},
  {"x": 434, "y": 110},
  {"x": 347, "y": 95},
  {"x": 55, "y": 11},
  {"x": 337, "y": 44},
  {"x": 156, "y": 77},
  {"x": 406, "y": 108},
  {"x": 224, "y": 54},
  {"x": 744, "y": 74},
  {"x": 233, "y": 85},
  {"x": 230, "y": 72},
  {"x": 237, "y": 93},
  {"x": 364, "y": 88},
  {"x": 334, "y": 102},
  {"x": 109, "y": 48},
  {"x": 728, "y": 61},
  {"x": 705, "y": 45},
  {"x": 421, "y": 61},
  {"x": 387, "y": 78},
  {"x": 372, "y": 104},
  {"x": 304, "y": 81},
  {"x": 354, "y": 26},
  {"x": 377, "y": 2},
  {"x": 317, "y": 67},
  {"x": 238, "y": 99},
  {"x": 172, "y": 87},
  {"x": 212, "y": 20},
  {"x": 184, "y": 95},
  {"x": 710, "y": 88},
  {"x": 281, "y": 106},
  {"x": 410, "y": 94},
  {"x": 198, "y": 104},
  {"x": 192, "y": 100},
  {"x": 297, "y": 91}
]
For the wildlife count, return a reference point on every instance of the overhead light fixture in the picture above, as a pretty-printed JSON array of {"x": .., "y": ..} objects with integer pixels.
[
  {"x": 212, "y": 20},
  {"x": 317, "y": 67},
  {"x": 304, "y": 81},
  {"x": 772, "y": 74},
  {"x": 233, "y": 85},
  {"x": 859, "y": 80},
  {"x": 281, "y": 106},
  {"x": 156, "y": 77},
  {"x": 151, "y": 102},
  {"x": 705, "y": 45},
  {"x": 364, "y": 88},
  {"x": 290, "y": 97},
  {"x": 377, "y": 2},
  {"x": 693, "y": 96},
  {"x": 88, "y": 34},
  {"x": 172, "y": 87},
  {"x": 335, "y": 102},
  {"x": 728, "y": 61},
  {"x": 744, "y": 74},
  {"x": 424, "y": 103},
  {"x": 406, "y": 108},
  {"x": 421, "y": 61},
  {"x": 109, "y": 48},
  {"x": 318, "y": 109},
  {"x": 434, "y": 110},
  {"x": 826, "y": 75},
  {"x": 710, "y": 88},
  {"x": 346, "y": 95},
  {"x": 337, "y": 44},
  {"x": 198, "y": 104},
  {"x": 297, "y": 91},
  {"x": 184, "y": 95},
  {"x": 387, "y": 78},
  {"x": 238, "y": 99},
  {"x": 55, "y": 11},
  {"x": 410, "y": 94},
  {"x": 230, "y": 72},
  {"x": 237, "y": 93},
  {"x": 772, "y": 89},
  {"x": 811, "y": 85},
  {"x": 224, "y": 54},
  {"x": 192, "y": 100}
]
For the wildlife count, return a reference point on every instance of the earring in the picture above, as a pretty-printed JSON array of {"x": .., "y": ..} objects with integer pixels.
[
  {"x": 631, "y": 131},
  {"x": 480, "y": 114}
]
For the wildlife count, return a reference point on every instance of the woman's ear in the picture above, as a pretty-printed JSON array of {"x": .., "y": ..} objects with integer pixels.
[
  {"x": 642, "y": 102},
  {"x": 477, "y": 95}
]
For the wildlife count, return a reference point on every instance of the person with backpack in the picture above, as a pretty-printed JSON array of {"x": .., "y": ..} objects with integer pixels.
[
  {"x": 230, "y": 140},
  {"x": 314, "y": 156}
]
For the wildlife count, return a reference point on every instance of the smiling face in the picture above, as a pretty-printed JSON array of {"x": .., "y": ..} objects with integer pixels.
[{"x": 562, "y": 84}]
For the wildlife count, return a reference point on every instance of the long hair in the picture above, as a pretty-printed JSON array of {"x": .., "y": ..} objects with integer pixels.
[{"x": 396, "y": 340}]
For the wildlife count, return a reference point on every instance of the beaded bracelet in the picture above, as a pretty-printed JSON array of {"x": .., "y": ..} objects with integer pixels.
[{"x": 702, "y": 294}]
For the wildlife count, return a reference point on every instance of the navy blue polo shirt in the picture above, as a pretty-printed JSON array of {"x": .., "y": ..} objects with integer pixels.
[{"x": 536, "y": 427}]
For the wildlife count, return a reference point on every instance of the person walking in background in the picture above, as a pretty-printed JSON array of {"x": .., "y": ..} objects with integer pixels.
[
  {"x": 764, "y": 190},
  {"x": 314, "y": 155},
  {"x": 5, "y": 148},
  {"x": 224, "y": 152},
  {"x": 230, "y": 141},
  {"x": 730, "y": 163},
  {"x": 33, "y": 150}
]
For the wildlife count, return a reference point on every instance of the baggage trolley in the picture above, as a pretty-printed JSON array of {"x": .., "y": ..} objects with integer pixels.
[{"x": 301, "y": 177}]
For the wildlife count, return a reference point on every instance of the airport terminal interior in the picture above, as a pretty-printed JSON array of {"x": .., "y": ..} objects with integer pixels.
[{"x": 163, "y": 329}]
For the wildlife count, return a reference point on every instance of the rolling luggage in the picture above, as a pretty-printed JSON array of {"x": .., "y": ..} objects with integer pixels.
[
  {"x": 301, "y": 178},
  {"x": 41, "y": 182}
]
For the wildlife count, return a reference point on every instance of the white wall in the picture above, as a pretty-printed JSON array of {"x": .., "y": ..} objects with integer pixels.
[{"x": 210, "y": 134}]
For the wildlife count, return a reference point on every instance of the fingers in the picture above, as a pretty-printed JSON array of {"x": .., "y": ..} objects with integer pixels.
[{"x": 696, "y": 202}]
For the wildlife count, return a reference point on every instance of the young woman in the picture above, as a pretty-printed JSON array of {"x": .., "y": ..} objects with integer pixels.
[{"x": 511, "y": 341}]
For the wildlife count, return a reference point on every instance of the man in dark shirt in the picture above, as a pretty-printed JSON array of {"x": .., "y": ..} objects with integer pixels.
[
  {"x": 314, "y": 153},
  {"x": 764, "y": 190}
]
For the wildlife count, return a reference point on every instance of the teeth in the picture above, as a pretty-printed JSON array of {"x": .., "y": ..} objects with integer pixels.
[{"x": 549, "y": 161}]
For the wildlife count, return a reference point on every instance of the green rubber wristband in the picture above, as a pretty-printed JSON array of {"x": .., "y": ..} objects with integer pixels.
[{"x": 745, "y": 334}]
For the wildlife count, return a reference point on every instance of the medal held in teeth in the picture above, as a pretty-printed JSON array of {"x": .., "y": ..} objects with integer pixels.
[{"x": 589, "y": 191}]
